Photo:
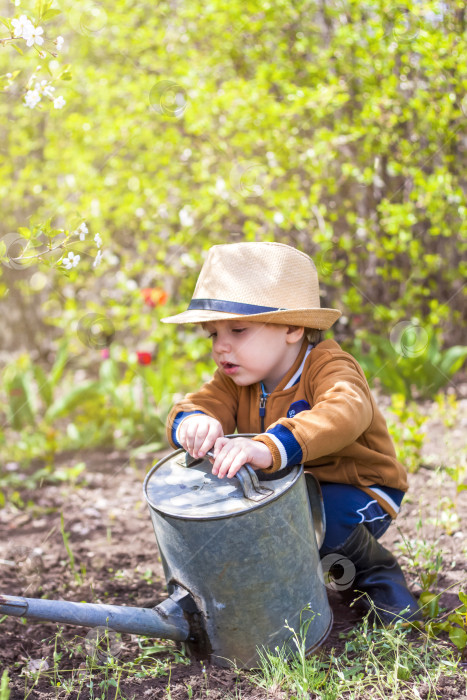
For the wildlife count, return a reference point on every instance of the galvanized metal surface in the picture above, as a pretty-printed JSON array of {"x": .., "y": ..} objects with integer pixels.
[
  {"x": 194, "y": 492},
  {"x": 166, "y": 620},
  {"x": 315, "y": 498},
  {"x": 248, "y": 478},
  {"x": 249, "y": 570}
]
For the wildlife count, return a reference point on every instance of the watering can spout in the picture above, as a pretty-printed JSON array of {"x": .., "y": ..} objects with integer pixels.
[{"x": 166, "y": 621}]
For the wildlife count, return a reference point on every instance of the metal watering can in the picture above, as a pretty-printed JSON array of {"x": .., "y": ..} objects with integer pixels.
[{"x": 241, "y": 561}]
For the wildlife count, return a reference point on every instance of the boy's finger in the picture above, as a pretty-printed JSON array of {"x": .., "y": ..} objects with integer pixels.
[
  {"x": 226, "y": 463},
  {"x": 237, "y": 463},
  {"x": 208, "y": 442},
  {"x": 219, "y": 459},
  {"x": 190, "y": 435},
  {"x": 200, "y": 437},
  {"x": 219, "y": 444}
]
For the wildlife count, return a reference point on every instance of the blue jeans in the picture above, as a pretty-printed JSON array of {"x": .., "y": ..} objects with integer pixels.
[{"x": 346, "y": 506}]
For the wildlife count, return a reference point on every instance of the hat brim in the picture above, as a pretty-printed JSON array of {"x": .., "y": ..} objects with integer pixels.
[{"x": 321, "y": 319}]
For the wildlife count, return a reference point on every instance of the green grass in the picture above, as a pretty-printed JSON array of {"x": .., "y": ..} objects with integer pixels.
[
  {"x": 90, "y": 666},
  {"x": 376, "y": 662},
  {"x": 401, "y": 662}
]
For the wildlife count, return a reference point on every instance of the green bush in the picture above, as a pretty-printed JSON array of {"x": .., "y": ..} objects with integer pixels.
[
  {"x": 410, "y": 361},
  {"x": 126, "y": 404},
  {"x": 336, "y": 129}
]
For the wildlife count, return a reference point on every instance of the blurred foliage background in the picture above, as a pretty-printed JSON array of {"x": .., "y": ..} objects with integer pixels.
[{"x": 337, "y": 127}]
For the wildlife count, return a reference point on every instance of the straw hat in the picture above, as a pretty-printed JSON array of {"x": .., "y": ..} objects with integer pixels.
[{"x": 269, "y": 282}]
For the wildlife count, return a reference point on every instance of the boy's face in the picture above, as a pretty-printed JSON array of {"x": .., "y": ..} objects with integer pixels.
[{"x": 250, "y": 352}]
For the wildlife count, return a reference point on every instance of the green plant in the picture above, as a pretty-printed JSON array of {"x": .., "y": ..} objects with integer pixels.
[
  {"x": 101, "y": 673},
  {"x": 4, "y": 686},
  {"x": 448, "y": 408},
  {"x": 148, "y": 648},
  {"x": 26, "y": 385},
  {"x": 71, "y": 558},
  {"x": 377, "y": 661},
  {"x": 288, "y": 666},
  {"x": 425, "y": 556},
  {"x": 148, "y": 576},
  {"x": 35, "y": 669},
  {"x": 427, "y": 559},
  {"x": 447, "y": 516},
  {"x": 15, "y": 480},
  {"x": 453, "y": 623},
  {"x": 407, "y": 431},
  {"x": 458, "y": 474},
  {"x": 363, "y": 187},
  {"x": 125, "y": 405},
  {"x": 410, "y": 365}
]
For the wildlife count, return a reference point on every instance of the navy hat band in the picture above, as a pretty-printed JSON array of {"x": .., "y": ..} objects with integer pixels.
[{"x": 230, "y": 307}]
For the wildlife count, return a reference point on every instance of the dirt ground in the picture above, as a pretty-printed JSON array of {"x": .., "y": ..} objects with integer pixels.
[{"x": 116, "y": 561}]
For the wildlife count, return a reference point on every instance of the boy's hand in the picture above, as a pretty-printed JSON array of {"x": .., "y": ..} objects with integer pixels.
[
  {"x": 198, "y": 433},
  {"x": 231, "y": 454}
]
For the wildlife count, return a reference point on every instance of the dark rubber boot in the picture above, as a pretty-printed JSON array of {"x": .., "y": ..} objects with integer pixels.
[{"x": 378, "y": 574}]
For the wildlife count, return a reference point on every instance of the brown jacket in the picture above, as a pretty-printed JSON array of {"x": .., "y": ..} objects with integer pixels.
[{"x": 322, "y": 414}]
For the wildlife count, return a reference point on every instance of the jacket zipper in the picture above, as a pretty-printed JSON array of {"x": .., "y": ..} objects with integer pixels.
[
  {"x": 262, "y": 405},
  {"x": 264, "y": 397}
]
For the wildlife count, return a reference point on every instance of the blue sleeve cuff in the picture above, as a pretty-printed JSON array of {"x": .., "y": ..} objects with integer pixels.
[
  {"x": 289, "y": 449},
  {"x": 177, "y": 420}
]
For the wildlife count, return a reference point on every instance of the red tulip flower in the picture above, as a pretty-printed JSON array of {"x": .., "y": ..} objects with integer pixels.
[
  {"x": 144, "y": 358},
  {"x": 154, "y": 296}
]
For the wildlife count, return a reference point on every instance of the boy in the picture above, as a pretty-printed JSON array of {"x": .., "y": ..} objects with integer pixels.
[{"x": 306, "y": 399}]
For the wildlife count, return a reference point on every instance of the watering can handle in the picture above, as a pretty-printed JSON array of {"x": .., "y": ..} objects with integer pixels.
[{"x": 249, "y": 482}]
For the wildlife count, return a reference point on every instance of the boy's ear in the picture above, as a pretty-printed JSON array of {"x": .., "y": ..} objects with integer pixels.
[{"x": 295, "y": 333}]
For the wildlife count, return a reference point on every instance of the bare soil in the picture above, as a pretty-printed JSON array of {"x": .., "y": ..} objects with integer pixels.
[{"x": 116, "y": 561}]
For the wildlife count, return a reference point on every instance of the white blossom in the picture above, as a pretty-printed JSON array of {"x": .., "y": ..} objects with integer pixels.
[
  {"x": 34, "y": 36},
  {"x": 98, "y": 259},
  {"x": 98, "y": 240},
  {"x": 32, "y": 98},
  {"x": 95, "y": 207},
  {"x": 278, "y": 218},
  {"x": 221, "y": 188},
  {"x": 71, "y": 260},
  {"x": 185, "y": 216},
  {"x": 111, "y": 258},
  {"x": 82, "y": 230},
  {"x": 187, "y": 260},
  {"x": 271, "y": 159},
  {"x": 59, "y": 102},
  {"x": 16, "y": 2},
  {"x": 59, "y": 42},
  {"x": 23, "y": 27},
  {"x": 45, "y": 88}
]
